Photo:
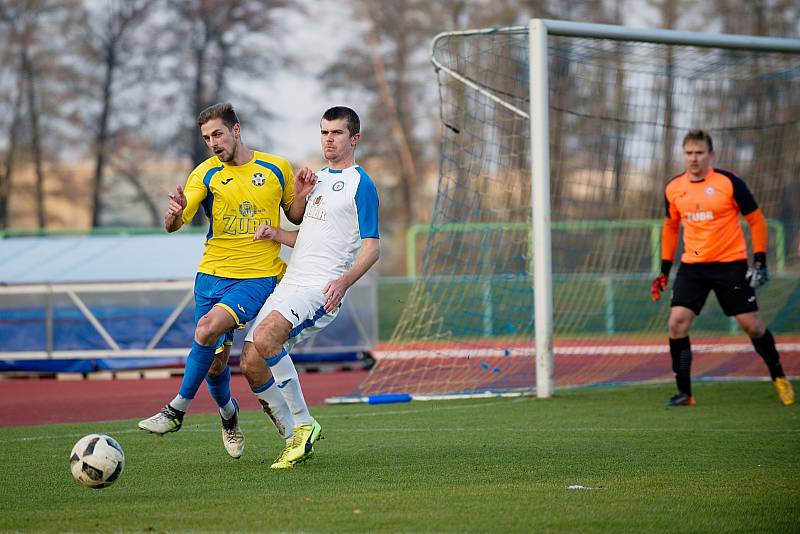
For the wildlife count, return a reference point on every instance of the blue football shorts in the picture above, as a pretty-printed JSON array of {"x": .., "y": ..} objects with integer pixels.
[{"x": 242, "y": 298}]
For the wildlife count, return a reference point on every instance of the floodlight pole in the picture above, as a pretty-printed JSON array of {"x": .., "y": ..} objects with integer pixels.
[{"x": 540, "y": 207}]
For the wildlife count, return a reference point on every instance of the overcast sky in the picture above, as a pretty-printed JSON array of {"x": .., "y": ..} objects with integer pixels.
[
  {"x": 299, "y": 98},
  {"x": 296, "y": 95}
]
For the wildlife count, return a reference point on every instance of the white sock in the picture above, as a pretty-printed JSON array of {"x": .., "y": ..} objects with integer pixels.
[
  {"x": 288, "y": 383},
  {"x": 180, "y": 403},
  {"x": 228, "y": 410},
  {"x": 277, "y": 410}
]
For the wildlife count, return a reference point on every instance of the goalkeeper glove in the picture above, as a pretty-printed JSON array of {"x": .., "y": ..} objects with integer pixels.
[
  {"x": 660, "y": 283},
  {"x": 757, "y": 275}
]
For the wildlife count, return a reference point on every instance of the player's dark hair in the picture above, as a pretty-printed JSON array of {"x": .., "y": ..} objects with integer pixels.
[
  {"x": 223, "y": 110},
  {"x": 341, "y": 112},
  {"x": 699, "y": 135}
]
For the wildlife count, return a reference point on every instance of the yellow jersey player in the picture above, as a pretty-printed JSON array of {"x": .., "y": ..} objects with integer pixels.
[{"x": 239, "y": 189}]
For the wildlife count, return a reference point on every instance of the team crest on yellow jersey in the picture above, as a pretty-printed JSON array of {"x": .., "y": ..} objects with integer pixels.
[
  {"x": 258, "y": 179},
  {"x": 247, "y": 209}
]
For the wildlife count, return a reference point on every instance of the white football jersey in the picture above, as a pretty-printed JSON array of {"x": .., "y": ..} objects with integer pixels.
[{"x": 342, "y": 209}]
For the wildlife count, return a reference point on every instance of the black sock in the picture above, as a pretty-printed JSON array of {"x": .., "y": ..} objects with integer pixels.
[
  {"x": 681, "y": 352},
  {"x": 765, "y": 347}
]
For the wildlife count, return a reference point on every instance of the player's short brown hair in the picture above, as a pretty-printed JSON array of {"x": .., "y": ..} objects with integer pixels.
[
  {"x": 699, "y": 135},
  {"x": 341, "y": 112},
  {"x": 223, "y": 110}
]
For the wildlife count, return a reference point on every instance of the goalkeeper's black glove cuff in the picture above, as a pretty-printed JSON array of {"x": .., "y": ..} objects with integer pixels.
[
  {"x": 666, "y": 267},
  {"x": 760, "y": 259}
]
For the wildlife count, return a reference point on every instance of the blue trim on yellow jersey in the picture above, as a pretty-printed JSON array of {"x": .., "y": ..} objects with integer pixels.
[
  {"x": 210, "y": 174},
  {"x": 208, "y": 202},
  {"x": 274, "y": 168}
]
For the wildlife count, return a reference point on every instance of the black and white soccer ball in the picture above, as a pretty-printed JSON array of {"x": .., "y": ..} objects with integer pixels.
[{"x": 96, "y": 461}]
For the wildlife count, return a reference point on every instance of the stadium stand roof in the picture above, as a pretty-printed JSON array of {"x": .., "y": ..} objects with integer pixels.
[
  {"x": 99, "y": 258},
  {"x": 31, "y": 262}
]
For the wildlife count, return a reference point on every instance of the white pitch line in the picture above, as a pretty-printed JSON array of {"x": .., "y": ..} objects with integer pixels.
[
  {"x": 207, "y": 427},
  {"x": 405, "y": 430},
  {"x": 592, "y": 350},
  {"x": 74, "y": 435},
  {"x": 585, "y": 430},
  {"x": 250, "y": 416}
]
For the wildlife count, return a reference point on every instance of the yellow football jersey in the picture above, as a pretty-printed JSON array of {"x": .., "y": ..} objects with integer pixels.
[{"x": 238, "y": 199}]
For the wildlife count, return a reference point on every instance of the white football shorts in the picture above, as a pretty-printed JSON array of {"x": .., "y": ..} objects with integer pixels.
[{"x": 302, "y": 306}]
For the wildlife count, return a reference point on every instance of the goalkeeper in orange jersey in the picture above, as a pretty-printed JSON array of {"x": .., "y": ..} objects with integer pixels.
[{"x": 708, "y": 202}]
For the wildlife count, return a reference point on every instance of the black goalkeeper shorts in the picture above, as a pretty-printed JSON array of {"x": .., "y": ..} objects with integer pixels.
[{"x": 694, "y": 281}]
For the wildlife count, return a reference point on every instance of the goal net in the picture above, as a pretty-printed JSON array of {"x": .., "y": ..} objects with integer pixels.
[{"x": 618, "y": 109}]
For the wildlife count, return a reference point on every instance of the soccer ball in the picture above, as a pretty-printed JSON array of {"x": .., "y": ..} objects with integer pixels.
[{"x": 96, "y": 461}]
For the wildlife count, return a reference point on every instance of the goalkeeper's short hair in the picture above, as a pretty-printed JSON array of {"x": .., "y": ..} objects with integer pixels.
[{"x": 699, "y": 135}]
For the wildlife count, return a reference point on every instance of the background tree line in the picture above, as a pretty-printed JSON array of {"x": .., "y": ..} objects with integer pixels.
[{"x": 98, "y": 97}]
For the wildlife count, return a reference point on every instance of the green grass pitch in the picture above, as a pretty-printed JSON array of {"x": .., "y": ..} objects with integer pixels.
[{"x": 730, "y": 464}]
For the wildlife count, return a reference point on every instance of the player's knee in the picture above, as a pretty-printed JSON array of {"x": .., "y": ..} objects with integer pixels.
[
  {"x": 678, "y": 327},
  {"x": 751, "y": 324},
  {"x": 754, "y": 330},
  {"x": 206, "y": 333}
]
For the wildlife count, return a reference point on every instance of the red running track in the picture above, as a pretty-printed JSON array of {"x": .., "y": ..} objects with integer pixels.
[{"x": 45, "y": 401}]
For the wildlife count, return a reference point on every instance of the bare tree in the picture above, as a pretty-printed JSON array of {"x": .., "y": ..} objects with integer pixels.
[
  {"x": 16, "y": 89},
  {"x": 393, "y": 73},
  {"x": 34, "y": 33},
  {"x": 770, "y": 168},
  {"x": 668, "y": 11},
  {"x": 215, "y": 41},
  {"x": 108, "y": 44}
]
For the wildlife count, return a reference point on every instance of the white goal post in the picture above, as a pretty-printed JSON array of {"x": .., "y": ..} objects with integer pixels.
[{"x": 538, "y": 114}]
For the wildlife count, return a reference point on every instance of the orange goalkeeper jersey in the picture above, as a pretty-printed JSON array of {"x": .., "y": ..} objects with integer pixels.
[{"x": 709, "y": 210}]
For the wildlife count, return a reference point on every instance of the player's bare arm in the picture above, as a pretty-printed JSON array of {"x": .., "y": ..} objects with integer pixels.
[
  {"x": 335, "y": 289},
  {"x": 304, "y": 181},
  {"x": 266, "y": 232},
  {"x": 177, "y": 203}
]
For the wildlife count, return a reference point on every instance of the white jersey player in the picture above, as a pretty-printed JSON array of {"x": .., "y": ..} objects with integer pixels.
[
  {"x": 342, "y": 210},
  {"x": 336, "y": 244}
]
